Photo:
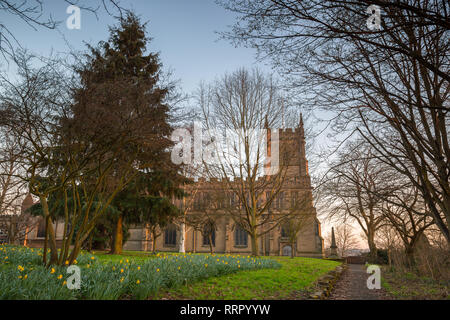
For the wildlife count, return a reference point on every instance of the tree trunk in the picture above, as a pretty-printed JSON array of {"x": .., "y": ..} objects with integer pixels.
[
  {"x": 154, "y": 241},
  {"x": 118, "y": 237},
  {"x": 410, "y": 256},
  {"x": 389, "y": 258},
  {"x": 254, "y": 239},
  {"x": 182, "y": 238},
  {"x": 50, "y": 232},
  {"x": 89, "y": 249},
  {"x": 210, "y": 243},
  {"x": 44, "y": 254},
  {"x": 372, "y": 245}
]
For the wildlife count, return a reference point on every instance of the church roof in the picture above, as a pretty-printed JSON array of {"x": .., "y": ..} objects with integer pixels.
[{"x": 27, "y": 202}]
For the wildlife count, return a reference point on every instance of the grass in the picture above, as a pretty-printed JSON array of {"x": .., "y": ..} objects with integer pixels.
[
  {"x": 142, "y": 275},
  {"x": 108, "y": 277},
  {"x": 134, "y": 255},
  {"x": 294, "y": 280},
  {"x": 410, "y": 286}
]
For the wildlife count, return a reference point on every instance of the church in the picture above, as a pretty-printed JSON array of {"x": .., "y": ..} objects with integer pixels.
[{"x": 227, "y": 236}]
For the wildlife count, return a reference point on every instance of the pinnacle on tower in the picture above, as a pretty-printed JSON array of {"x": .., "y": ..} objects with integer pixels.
[{"x": 300, "y": 125}]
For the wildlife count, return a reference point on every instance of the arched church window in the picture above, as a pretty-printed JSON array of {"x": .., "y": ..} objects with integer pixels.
[
  {"x": 285, "y": 230},
  {"x": 232, "y": 200},
  {"x": 240, "y": 236},
  {"x": 170, "y": 236},
  {"x": 280, "y": 201},
  {"x": 209, "y": 232}
]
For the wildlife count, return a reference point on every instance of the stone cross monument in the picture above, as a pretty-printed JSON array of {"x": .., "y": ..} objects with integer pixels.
[{"x": 333, "y": 247}]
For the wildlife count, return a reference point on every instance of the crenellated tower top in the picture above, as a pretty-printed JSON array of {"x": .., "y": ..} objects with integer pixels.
[{"x": 293, "y": 145}]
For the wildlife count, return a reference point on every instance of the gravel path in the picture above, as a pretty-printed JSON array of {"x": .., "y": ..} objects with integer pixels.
[{"x": 353, "y": 286}]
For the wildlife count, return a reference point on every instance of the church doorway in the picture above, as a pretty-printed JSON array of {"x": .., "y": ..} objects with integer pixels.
[{"x": 287, "y": 251}]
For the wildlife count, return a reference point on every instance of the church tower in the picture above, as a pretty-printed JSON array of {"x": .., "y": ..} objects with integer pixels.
[
  {"x": 296, "y": 188},
  {"x": 292, "y": 149}
]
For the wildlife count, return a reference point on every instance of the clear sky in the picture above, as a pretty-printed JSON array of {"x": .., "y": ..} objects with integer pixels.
[{"x": 183, "y": 31}]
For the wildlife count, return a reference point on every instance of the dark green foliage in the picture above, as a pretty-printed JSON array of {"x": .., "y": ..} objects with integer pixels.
[
  {"x": 382, "y": 256},
  {"x": 121, "y": 92}
]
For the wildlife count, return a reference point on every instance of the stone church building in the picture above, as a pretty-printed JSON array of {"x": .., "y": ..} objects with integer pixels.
[{"x": 227, "y": 236}]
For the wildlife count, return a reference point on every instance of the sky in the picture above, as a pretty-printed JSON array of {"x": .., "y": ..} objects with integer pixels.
[{"x": 184, "y": 32}]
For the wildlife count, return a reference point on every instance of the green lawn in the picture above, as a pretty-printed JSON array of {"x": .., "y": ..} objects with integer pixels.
[
  {"x": 294, "y": 280},
  {"x": 142, "y": 275}
]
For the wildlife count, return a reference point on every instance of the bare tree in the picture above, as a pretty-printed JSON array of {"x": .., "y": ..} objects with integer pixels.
[
  {"x": 353, "y": 190},
  {"x": 241, "y": 104},
  {"x": 33, "y": 14},
  {"x": 29, "y": 109},
  {"x": 285, "y": 30},
  {"x": 12, "y": 189},
  {"x": 387, "y": 238},
  {"x": 13, "y": 221},
  {"x": 407, "y": 214},
  {"x": 389, "y": 83},
  {"x": 345, "y": 239},
  {"x": 75, "y": 162},
  {"x": 187, "y": 204},
  {"x": 205, "y": 222}
]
